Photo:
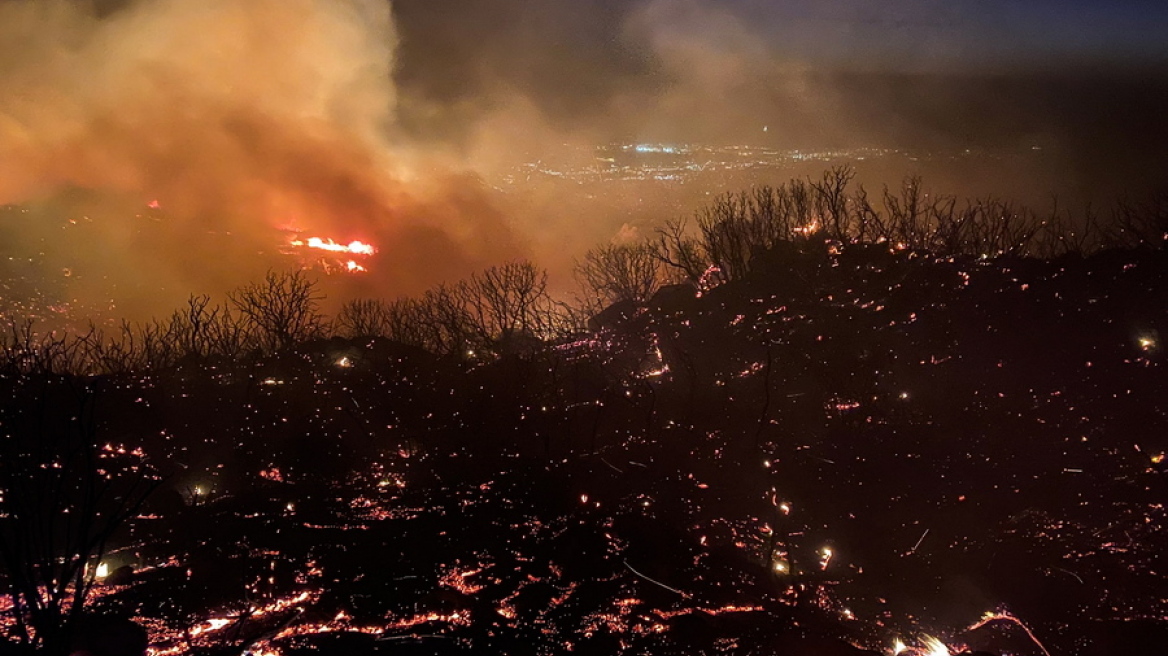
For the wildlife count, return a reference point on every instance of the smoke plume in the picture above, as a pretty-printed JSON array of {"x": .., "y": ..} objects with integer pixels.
[
  {"x": 161, "y": 147},
  {"x": 194, "y": 138}
]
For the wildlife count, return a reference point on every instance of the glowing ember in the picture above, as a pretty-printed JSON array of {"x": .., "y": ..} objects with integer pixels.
[
  {"x": 457, "y": 580},
  {"x": 213, "y": 624},
  {"x": 1003, "y": 616},
  {"x": 825, "y": 557}
]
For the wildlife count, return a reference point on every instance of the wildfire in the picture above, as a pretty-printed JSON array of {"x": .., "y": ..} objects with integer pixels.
[
  {"x": 1003, "y": 616},
  {"x": 928, "y": 646},
  {"x": 347, "y": 254},
  {"x": 457, "y": 580},
  {"x": 353, "y": 247},
  {"x": 825, "y": 555},
  {"x": 935, "y": 647}
]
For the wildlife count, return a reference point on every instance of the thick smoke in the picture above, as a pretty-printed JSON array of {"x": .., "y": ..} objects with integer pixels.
[
  {"x": 239, "y": 122},
  {"x": 398, "y": 123},
  {"x": 497, "y": 81}
]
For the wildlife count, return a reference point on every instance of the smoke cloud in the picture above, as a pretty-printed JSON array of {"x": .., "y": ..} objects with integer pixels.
[
  {"x": 183, "y": 143},
  {"x": 230, "y": 125}
]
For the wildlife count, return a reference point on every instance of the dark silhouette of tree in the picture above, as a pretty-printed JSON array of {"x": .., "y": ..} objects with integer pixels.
[
  {"x": 616, "y": 273},
  {"x": 63, "y": 496},
  {"x": 26, "y": 352},
  {"x": 282, "y": 309},
  {"x": 364, "y": 317},
  {"x": 508, "y": 306},
  {"x": 444, "y": 321},
  {"x": 676, "y": 249},
  {"x": 1141, "y": 225}
]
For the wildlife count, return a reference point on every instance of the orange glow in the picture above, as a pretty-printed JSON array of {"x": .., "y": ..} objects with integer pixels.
[
  {"x": 347, "y": 255},
  {"x": 354, "y": 247}
]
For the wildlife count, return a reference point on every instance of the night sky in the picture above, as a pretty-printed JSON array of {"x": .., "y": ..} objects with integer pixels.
[{"x": 828, "y": 67}]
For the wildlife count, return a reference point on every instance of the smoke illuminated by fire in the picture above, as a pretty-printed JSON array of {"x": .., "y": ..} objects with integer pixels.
[{"x": 167, "y": 133}]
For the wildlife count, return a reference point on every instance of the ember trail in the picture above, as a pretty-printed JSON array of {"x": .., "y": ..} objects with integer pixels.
[{"x": 809, "y": 421}]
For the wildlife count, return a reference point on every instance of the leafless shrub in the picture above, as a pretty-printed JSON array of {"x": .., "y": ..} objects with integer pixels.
[
  {"x": 1064, "y": 233},
  {"x": 445, "y": 325},
  {"x": 832, "y": 203},
  {"x": 62, "y": 498},
  {"x": 676, "y": 249},
  {"x": 627, "y": 272},
  {"x": 1140, "y": 225},
  {"x": 363, "y": 318},
  {"x": 508, "y": 306},
  {"x": 280, "y": 310},
  {"x": 25, "y": 351}
]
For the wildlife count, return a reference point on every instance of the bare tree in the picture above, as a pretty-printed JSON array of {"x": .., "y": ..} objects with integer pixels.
[
  {"x": 1067, "y": 234},
  {"x": 676, "y": 249},
  {"x": 616, "y": 273},
  {"x": 202, "y": 330},
  {"x": 507, "y": 305},
  {"x": 363, "y": 317},
  {"x": 282, "y": 309},
  {"x": 831, "y": 203},
  {"x": 445, "y": 325},
  {"x": 1141, "y": 225},
  {"x": 63, "y": 496}
]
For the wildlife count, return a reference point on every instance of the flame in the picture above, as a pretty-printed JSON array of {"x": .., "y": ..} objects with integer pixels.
[
  {"x": 102, "y": 571},
  {"x": 342, "y": 264},
  {"x": 354, "y": 247},
  {"x": 213, "y": 624},
  {"x": 935, "y": 647},
  {"x": 825, "y": 557}
]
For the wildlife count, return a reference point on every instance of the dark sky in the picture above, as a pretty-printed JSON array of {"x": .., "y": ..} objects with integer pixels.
[
  {"x": 881, "y": 35},
  {"x": 939, "y": 69},
  {"x": 911, "y": 35}
]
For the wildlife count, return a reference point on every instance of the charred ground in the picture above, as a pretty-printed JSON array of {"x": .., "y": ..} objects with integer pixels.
[{"x": 841, "y": 446}]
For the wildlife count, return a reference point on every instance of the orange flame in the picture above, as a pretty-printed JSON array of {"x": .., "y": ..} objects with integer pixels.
[{"x": 355, "y": 247}]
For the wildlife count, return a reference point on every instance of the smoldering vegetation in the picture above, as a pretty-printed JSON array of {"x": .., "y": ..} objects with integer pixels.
[
  {"x": 509, "y": 308},
  {"x": 812, "y": 420}
]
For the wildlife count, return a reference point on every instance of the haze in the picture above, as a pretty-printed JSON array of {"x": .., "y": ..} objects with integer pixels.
[{"x": 158, "y": 148}]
